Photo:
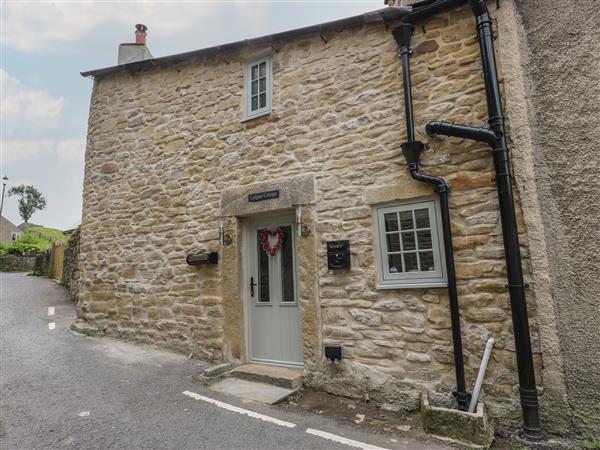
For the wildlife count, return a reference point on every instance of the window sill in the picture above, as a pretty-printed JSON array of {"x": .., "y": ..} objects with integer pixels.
[
  {"x": 413, "y": 285},
  {"x": 256, "y": 116}
]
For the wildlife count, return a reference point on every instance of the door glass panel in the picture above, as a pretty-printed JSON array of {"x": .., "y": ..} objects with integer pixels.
[
  {"x": 287, "y": 266},
  {"x": 263, "y": 272}
]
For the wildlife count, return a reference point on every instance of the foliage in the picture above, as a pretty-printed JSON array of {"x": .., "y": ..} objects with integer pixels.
[
  {"x": 30, "y": 200},
  {"x": 21, "y": 247},
  {"x": 592, "y": 442}
]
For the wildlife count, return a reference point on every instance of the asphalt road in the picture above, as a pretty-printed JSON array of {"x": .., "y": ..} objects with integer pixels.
[{"x": 60, "y": 389}]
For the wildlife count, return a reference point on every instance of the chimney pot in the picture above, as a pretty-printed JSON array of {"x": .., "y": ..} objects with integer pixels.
[{"x": 140, "y": 33}]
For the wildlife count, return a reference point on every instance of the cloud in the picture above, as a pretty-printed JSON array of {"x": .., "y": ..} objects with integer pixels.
[
  {"x": 21, "y": 150},
  {"x": 15, "y": 151},
  {"x": 40, "y": 26},
  {"x": 71, "y": 150},
  {"x": 24, "y": 109}
]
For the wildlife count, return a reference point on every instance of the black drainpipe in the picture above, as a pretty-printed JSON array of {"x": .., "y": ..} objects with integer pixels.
[
  {"x": 495, "y": 137},
  {"x": 412, "y": 150}
]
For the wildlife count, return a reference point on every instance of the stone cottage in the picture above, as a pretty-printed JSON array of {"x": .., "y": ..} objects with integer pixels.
[{"x": 276, "y": 163}]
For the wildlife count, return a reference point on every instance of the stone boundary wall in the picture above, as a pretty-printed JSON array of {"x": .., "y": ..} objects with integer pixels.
[
  {"x": 12, "y": 263},
  {"x": 43, "y": 263},
  {"x": 70, "y": 264}
]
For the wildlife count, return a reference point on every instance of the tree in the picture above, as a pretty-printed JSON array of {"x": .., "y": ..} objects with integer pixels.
[{"x": 30, "y": 200}]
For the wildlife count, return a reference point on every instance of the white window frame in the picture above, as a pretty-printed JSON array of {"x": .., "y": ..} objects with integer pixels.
[
  {"x": 249, "y": 114},
  {"x": 419, "y": 279}
]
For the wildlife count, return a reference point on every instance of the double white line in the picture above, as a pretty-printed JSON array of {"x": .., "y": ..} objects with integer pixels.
[
  {"x": 51, "y": 325},
  {"x": 282, "y": 423}
]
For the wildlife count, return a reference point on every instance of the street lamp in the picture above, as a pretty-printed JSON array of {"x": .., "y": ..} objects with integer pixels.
[{"x": 4, "y": 181}]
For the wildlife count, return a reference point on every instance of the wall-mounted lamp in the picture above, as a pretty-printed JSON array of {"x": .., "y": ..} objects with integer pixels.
[
  {"x": 224, "y": 239},
  {"x": 303, "y": 230}
]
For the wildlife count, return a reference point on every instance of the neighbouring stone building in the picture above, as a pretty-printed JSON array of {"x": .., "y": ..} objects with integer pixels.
[
  {"x": 299, "y": 133},
  {"x": 8, "y": 230}
]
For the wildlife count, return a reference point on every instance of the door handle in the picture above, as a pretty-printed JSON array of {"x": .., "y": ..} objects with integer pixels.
[{"x": 252, "y": 284}]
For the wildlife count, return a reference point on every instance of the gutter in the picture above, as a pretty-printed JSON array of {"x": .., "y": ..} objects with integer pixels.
[{"x": 383, "y": 15}]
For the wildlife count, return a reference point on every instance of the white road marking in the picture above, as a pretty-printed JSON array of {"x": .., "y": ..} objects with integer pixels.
[
  {"x": 342, "y": 440},
  {"x": 243, "y": 411},
  {"x": 50, "y": 310},
  {"x": 51, "y": 326}
]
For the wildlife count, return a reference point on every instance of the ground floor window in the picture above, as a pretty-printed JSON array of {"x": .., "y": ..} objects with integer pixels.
[{"x": 410, "y": 245}]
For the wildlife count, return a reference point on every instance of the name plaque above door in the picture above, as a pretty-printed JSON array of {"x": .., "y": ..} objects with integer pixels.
[
  {"x": 272, "y": 195},
  {"x": 260, "y": 196}
]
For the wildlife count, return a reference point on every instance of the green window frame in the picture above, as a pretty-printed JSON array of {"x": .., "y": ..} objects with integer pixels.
[{"x": 410, "y": 245}]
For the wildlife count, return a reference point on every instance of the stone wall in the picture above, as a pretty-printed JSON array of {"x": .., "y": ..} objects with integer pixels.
[
  {"x": 12, "y": 263},
  {"x": 43, "y": 263},
  {"x": 164, "y": 143},
  {"x": 70, "y": 264}
]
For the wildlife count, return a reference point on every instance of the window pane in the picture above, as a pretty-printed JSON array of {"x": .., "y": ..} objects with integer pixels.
[
  {"x": 393, "y": 242},
  {"x": 254, "y": 87},
  {"x": 410, "y": 262},
  {"x": 263, "y": 100},
  {"x": 287, "y": 266},
  {"x": 408, "y": 241},
  {"x": 263, "y": 69},
  {"x": 391, "y": 221},
  {"x": 254, "y": 103},
  {"x": 424, "y": 239},
  {"x": 395, "y": 263},
  {"x": 422, "y": 218},
  {"x": 254, "y": 72},
  {"x": 263, "y": 272},
  {"x": 426, "y": 259},
  {"x": 263, "y": 84},
  {"x": 406, "y": 220}
]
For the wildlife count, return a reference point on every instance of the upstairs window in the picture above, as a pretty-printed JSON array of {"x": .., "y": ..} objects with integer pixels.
[
  {"x": 258, "y": 87},
  {"x": 410, "y": 245}
]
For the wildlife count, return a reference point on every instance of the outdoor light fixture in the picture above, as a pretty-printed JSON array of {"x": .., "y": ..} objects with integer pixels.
[
  {"x": 223, "y": 238},
  {"x": 303, "y": 230}
]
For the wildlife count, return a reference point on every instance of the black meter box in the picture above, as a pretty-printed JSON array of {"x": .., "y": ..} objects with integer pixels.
[{"x": 338, "y": 255}]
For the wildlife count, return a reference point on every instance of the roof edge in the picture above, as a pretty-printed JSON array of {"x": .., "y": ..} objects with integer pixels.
[{"x": 378, "y": 16}]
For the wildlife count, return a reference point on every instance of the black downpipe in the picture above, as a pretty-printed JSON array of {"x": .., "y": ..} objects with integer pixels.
[
  {"x": 532, "y": 430},
  {"x": 412, "y": 150}
]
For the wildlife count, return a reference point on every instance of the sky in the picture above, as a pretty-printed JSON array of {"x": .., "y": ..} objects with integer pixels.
[{"x": 44, "y": 45}]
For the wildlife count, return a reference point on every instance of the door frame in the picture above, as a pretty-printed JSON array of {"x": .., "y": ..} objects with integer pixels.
[{"x": 250, "y": 223}]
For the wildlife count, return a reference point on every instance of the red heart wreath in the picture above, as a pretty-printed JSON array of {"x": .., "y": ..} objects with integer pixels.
[{"x": 266, "y": 245}]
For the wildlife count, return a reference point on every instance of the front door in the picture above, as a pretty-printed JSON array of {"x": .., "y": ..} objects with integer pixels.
[{"x": 272, "y": 292}]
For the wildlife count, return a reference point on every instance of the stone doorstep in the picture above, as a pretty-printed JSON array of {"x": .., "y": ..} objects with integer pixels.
[
  {"x": 284, "y": 377},
  {"x": 251, "y": 390}
]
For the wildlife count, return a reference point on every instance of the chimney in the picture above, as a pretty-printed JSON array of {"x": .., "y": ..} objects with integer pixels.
[
  {"x": 140, "y": 33},
  {"x": 129, "y": 53}
]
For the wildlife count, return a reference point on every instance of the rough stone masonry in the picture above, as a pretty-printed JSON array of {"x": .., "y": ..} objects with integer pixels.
[{"x": 165, "y": 142}]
